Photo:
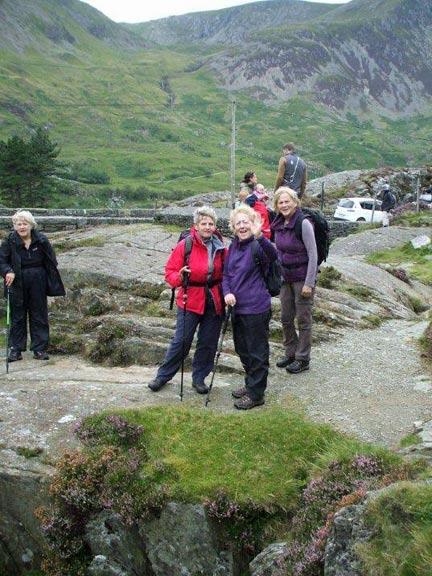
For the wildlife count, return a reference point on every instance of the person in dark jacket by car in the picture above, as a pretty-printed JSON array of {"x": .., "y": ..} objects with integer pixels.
[
  {"x": 388, "y": 203},
  {"x": 29, "y": 266}
]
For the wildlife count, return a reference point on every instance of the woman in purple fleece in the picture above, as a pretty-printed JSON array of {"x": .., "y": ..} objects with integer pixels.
[
  {"x": 298, "y": 259},
  {"x": 245, "y": 290}
]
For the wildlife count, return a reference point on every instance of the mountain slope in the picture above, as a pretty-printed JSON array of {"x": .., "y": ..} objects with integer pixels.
[
  {"x": 230, "y": 25},
  {"x": 368, "y": 55},
  {"x": 157, "y": 120},
  {"x": 62, "y": 25}
]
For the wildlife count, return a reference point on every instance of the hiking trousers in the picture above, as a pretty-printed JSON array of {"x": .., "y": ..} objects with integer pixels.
[
  {"x": 209, "y": 326},
  {"x": 251, "y": 342},
  {"x": 295, "y": 307},
  {"x": 35, "y": 309}
]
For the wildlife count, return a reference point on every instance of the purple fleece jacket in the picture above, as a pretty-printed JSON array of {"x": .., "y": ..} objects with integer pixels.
[{"x": 243, "y": 277}]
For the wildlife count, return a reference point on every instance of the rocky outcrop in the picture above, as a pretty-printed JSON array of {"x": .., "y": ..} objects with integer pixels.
[
  {"x": 267, "y": 563},
  {"x": 347, "y": 531},
  {"x": 23, "y": 488}
]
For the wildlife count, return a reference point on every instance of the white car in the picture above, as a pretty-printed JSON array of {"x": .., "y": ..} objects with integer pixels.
[{"x": 358, "y": 210}]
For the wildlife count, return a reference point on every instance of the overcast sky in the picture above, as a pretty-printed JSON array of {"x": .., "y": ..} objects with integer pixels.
[{"x": 143, "y": 10}]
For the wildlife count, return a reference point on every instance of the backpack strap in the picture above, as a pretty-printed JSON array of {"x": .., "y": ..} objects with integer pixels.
[
  {"x": 257, "y": 259},
  {"x": 298, "y": 227},
  {"x": 298, "y": 231},
  {"x": 186, "y": 256},
  {"x": 188, "y": 250}
]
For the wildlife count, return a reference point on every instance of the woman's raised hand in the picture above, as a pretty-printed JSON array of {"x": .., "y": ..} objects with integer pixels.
[{"x": 256, "y": 226}]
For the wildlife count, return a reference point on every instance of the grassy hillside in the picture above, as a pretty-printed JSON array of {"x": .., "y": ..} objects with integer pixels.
[{"x": 156, "y": 123}]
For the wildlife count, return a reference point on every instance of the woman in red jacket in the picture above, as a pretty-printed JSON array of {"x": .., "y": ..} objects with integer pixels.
[{"x": 199, "y": 301}]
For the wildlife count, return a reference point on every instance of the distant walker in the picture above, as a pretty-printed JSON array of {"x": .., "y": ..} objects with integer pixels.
[{"x": 292, "y": 171}]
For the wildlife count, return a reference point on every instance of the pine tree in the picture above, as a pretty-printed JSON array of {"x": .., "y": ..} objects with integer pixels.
[{"x": 26, "y": 169}]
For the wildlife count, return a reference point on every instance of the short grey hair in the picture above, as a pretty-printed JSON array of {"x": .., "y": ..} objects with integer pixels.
[
  {"x": 203, "y": 212},
  {"x": 243, "y": 209},
  {"x": 24, "y": 216}
]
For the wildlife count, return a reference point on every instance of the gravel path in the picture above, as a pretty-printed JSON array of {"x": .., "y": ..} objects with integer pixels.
[{"x": 369, "y": 383}]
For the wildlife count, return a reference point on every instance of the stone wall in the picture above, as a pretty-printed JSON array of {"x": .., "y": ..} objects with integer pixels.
[{"x": 54, "y": 220}]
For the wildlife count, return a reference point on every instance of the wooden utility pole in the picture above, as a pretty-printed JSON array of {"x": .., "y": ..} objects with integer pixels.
[
  {"x": 418, "y": 192},
  {"x": 233, "y": 150}
]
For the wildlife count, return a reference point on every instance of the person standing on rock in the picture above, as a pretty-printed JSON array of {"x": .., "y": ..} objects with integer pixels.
[
  {"x": 29, "y": 266},
  {"x": 299, "y": 271},
  {"x": 245, "y": 290},
  {"x": 199, "y": 301},
  {"x": 292, "y": 171}
]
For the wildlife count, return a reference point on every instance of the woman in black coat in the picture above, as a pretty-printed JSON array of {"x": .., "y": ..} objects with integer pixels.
[{"x": 29, "y": 266}]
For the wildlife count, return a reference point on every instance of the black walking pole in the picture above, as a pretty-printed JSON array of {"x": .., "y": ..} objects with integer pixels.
[
  {"x": 7, "y": 328},
  {"x": 219, "y": 350},
  {"x": 185, "y": 287}
]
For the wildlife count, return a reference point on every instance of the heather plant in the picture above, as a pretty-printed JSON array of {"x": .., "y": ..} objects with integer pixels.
[
  {"x": 111, "y": 473},
  {"x": 109, "y": 430},
  {"x": 341, "y": 484},
  {"x": 409, "y": 208}
]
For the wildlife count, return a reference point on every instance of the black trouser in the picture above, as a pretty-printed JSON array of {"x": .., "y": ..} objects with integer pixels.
[
  {"x": 35, "y": 307},
  {"x": 251, "y": 342}
]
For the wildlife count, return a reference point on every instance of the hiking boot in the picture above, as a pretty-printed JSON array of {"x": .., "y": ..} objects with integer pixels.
[
  {"x": 156, "y": 384},
  {"x": 284, "y": 361},
  {"x": 41, "y": 355},
  {"x": 200, "y": 387},
  {"x": 298, "y": 366},
  {"x": 14, "y": 355},
  {"x": 246, "y": 403},
  {"x": 239, "y": 393}
]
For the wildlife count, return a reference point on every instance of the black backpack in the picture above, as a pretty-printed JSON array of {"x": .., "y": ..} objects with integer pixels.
[
  {"x": 322, "y": 231},
  {"x": 273, "y": 278}
]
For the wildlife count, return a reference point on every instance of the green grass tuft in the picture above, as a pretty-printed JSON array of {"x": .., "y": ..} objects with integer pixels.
[
  {"x": 418, "y": 261},
  {"x": 401, "y": 520},
  {"x": 265, "y": 455}
]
